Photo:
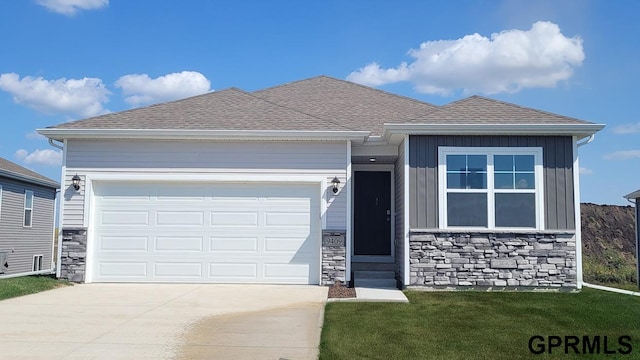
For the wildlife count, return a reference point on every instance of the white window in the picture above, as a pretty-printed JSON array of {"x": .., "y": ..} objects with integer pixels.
[
  {"x": 490, "y": 188},
  {"x": 37, "y": 262},
  {"x": 28, "y": 208},
  {"x": 0, "y": 201}
]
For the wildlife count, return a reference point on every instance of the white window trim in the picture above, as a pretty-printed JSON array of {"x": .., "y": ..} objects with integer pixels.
[
  {"x": 443, "y": 151},
  {"x": 25, "y": 208},
  {"x": 0, "y": 201},
  {"x": 39, "y": 259}
]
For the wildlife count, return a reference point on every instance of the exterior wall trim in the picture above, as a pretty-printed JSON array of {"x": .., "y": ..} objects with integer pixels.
[
  {"x": 349, "y": 233},
  {"x": 407, "y": 272},
  {"x": 577, "y": 212}
]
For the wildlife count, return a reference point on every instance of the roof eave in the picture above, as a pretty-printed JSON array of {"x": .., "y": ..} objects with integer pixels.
[
  {"x": 12, "y": 175},
  {"x": 633, "y": 195},
  {"x": 182, "y": 134},
  {"x": 579, "y": 130}
]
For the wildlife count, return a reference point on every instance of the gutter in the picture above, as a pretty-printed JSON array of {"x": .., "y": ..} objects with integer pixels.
[
  {"x": 51, "y": 142},
  {"x": 40, "y": 272}
]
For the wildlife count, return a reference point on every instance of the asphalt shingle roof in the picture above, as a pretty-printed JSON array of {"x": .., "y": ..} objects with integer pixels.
[
  {"x": 321, "y": 103},
  {"x": 12, "y": 168},
  {"x": 355, "y": 106},
  {"x": 481, "y": 110}
]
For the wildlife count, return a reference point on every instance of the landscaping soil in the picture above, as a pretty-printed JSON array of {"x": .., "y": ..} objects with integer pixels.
[{"x": 339, "y": 291}]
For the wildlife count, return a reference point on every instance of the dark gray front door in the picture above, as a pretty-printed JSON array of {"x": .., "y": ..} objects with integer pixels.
[{"x": 372, "y": 213}]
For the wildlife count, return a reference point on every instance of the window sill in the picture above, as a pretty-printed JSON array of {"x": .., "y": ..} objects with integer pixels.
[{"x": 492, "y": 231}]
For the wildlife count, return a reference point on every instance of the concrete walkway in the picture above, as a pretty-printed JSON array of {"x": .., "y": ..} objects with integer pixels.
[
  {"x": 162, "y": 321},
  {"x": 369, "y": 294}
]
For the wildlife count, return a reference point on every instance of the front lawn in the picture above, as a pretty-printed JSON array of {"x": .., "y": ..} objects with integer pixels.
[
  {"x": 26, "y": 285},
  {"x": 481, "y": 325}
]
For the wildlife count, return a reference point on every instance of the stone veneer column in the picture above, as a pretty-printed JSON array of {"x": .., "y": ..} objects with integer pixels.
[
  {"x": 73, "y": 259},
  {"x": 333, "y": 264},
  {"x": 492, "y": 260}
]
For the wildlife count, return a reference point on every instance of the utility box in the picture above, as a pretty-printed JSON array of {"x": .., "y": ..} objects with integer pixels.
[{"x": 4, "y": 255}]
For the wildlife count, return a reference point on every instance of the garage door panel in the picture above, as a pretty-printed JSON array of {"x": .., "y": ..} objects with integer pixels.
[
  {"x": 233, "y": 271},
  {"x": 233, "y": 244},
  {"x": 234, "y": 219},
  {"x": 124, "y": 218},
  {"x": 221, "y": 233},
  {"x": 123, "y": 269},
  {"x": 123, "y": 243},
  {"x": 179, "y": 218},
  {"x": 172, "y": 270},
  {"x": 179, "y": 243}
]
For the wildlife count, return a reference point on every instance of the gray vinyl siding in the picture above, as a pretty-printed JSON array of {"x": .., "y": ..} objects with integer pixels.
[
  {"x": 558, "y": 175},
  {"x": 399, "y": 209},
  {"x": 26, "y": 241},
  {"x": 122, "y": 158}
]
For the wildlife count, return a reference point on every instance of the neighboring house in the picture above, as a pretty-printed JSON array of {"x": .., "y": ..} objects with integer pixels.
[
  {"x": 27, "y": 205},
  {"x": 635, "y": 198},
  {"x": 321, "y": 180}
]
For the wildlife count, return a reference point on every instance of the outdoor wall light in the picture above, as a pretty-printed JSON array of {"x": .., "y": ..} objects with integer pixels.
[
  {"x": 75, "y": 180},
  {"x": 335, "y": 183}
]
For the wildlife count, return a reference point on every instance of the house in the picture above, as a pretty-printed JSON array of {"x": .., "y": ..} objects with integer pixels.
[
  {"x": 635, "y": 198},
  {"x": 321, "y": 180},
  {"x": 27, "y": 205}
]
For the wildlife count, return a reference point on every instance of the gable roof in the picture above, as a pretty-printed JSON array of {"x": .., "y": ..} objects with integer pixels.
[
  {"x": 481, "y": 110},
  {"x": 355, "y": 106},
  {"x": 15, "y": 171},
  {"x": 318, "y": 108},
  {"x": 633, "y": 195}
]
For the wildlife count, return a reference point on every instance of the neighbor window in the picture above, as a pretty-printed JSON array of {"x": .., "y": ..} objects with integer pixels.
[
  {"x": 37, "y": 262},
  {"x": 490, "y": 187},
  {"x": 0, "y": 201},
  {"x": 28, "y": 208}
]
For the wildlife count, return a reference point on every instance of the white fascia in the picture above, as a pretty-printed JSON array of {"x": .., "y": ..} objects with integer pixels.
[
  {"x": 579, "y": 130},
  {"x": 179, "y": 134}
]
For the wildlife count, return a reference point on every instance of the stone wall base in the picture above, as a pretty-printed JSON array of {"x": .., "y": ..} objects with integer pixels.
[
  {"x": 334, "y": 264},
  {"x": 73, "y": 259},
  {"x": 482, "y": 260}
]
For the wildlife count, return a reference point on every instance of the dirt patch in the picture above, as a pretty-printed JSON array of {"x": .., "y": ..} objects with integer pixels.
[{"x": 339, "y": 291}]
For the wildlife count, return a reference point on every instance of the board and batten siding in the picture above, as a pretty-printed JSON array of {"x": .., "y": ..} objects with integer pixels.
[
  {"x": 399, "y": 209},
  {"x": 558, "y": 175},
  {"x": 26, "y": 241},
  {"x": 324, "y": 158}
]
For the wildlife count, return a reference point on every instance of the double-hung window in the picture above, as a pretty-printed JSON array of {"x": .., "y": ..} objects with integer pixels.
[
  {"x": 490, "y": 188},
  {"x": 28, "y": 208}
]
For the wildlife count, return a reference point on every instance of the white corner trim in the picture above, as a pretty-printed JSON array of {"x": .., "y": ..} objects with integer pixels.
[
  {"x": 406, "y": 216},
  {"x": 576, "y": 210},
  {"x": 348, "y": 235},
  {"x": 63, "y": 174}
]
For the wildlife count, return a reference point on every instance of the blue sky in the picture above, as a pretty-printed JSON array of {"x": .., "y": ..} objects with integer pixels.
[{"x": 70, "y": 59}]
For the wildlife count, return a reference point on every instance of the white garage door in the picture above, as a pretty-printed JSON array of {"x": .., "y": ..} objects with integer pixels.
[{"x": 218, "y": 233}]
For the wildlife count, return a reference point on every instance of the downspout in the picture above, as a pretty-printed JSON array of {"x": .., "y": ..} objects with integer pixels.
[
  {"x": 55, "y": 145},
  {"x": 576, "y": 198},
  {"x": 588, "y": 141}
]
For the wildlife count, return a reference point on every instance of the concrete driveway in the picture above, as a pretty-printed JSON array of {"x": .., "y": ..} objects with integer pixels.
[{"x": 163, "y": 321}]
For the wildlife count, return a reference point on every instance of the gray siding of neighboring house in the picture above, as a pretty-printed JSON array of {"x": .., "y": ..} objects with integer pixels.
[
  {"x": 26, "y": 241},
  {"x": 558, "y": 175}
]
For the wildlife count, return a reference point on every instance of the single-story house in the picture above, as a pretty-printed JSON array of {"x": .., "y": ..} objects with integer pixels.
[
  {"x": 27, "y": 206},
  {"x": 635, "y": 198},
  {"x": 321, "y": 180}
]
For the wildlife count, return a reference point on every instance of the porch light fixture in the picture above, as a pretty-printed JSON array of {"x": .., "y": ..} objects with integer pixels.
[
  {"x": 335, "y": 183},
  {"x": 75, "y": 180}
]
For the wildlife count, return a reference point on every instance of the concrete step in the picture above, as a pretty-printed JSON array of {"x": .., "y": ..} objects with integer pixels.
[
  {"x": 372, "y": 266},
  {"x": 374, "y": 275},
  {"x": 375, "y": 283}
]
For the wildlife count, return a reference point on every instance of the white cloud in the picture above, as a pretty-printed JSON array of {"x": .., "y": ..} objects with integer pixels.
[
  {"x": 141, "y": 89},
  {"x": 34, "y": 136},
  {"x": 623, "y": 155},
  {"x": 71, "y": 7},
  {"x": 627, "y": 129},
  {"x": 585, "y": 171},
  {"x": 506, "y": 62},
  {"x": 82, "y": 97},
  {"x": 47, "y": 157}
]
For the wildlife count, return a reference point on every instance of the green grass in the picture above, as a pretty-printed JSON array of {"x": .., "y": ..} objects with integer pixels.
[
  {"x": 26, "y": 285},
  {"x": 476, "y": 325}
]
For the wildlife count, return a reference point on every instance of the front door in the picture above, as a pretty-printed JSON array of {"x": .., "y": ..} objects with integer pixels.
[{"x": 372, "y": 213}]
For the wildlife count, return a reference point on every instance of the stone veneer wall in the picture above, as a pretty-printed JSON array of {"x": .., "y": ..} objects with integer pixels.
[
  {"x": 334, "y": 264},
  {"x": 440, "y": 259},
  {"x": 74, "y": 254}
]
